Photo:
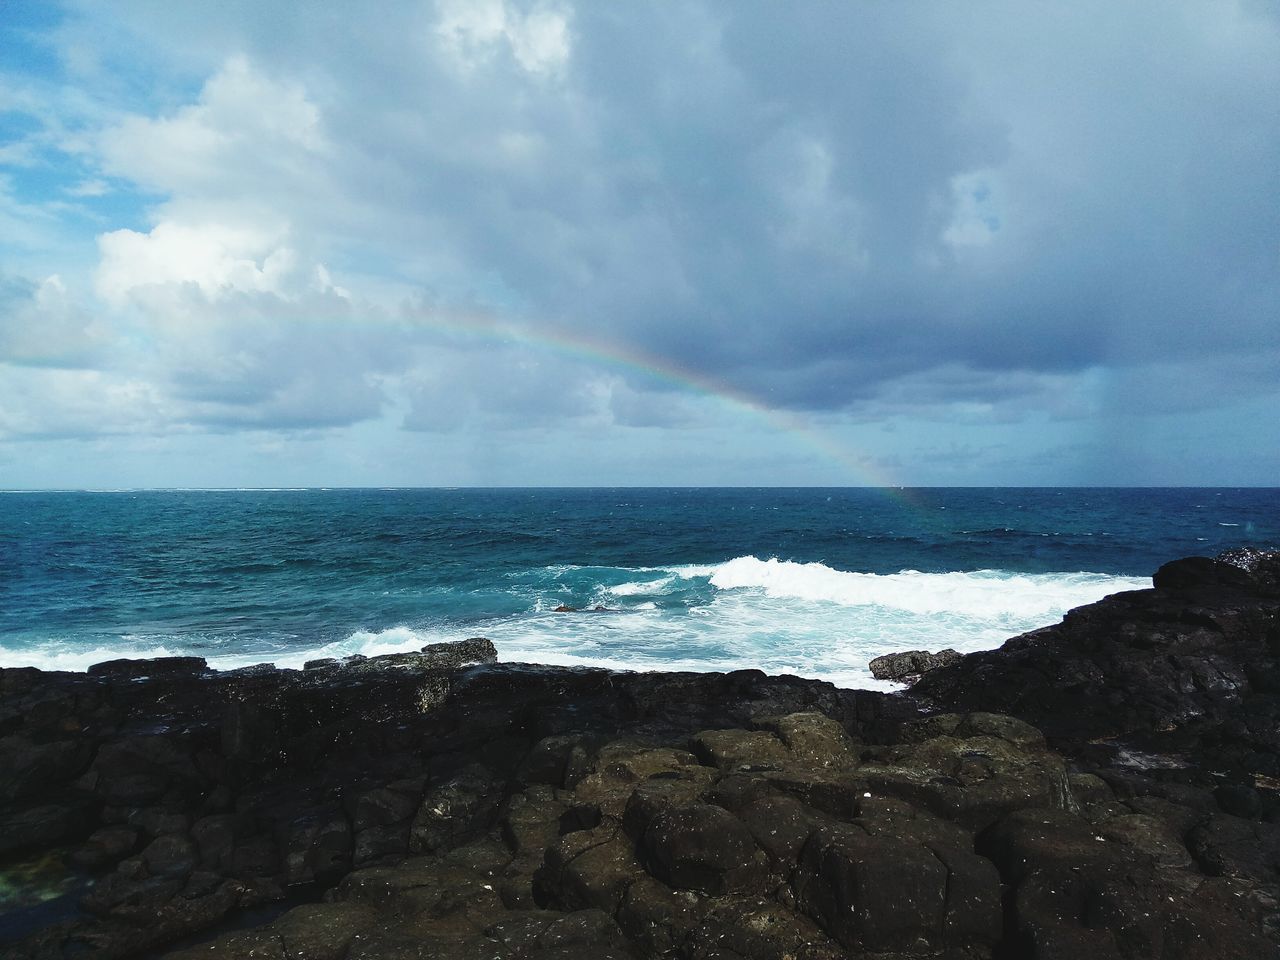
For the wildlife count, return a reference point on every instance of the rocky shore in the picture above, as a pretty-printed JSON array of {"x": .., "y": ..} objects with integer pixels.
[{"x": 1108, "y": 787}]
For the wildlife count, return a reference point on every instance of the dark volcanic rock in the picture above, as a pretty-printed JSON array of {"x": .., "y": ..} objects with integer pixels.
[
  {"x": 155, "y": 667},
  {"x": 30, "y": 767},
  {"x": 1197, "y": 573},
  {"x": 1172, "y": 696},
  {"x": 32, "y": 827},
  {"x": 1187, "y": 669},
  {"x": 910, "y": 664},
  {"x": 872, "y": 893},
  {"x": 461, "y": 654},
  {"x": 106, "y": 846},
  {"x": 704, "y": 848},
  {"x": 438, "y": 804}
]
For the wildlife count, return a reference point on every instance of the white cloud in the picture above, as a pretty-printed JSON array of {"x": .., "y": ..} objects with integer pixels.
[
  {"x": 472, "y": 31},
  {"x": 43, "y": 326},
  {"x": 540, "y": 40},
  {"x": 244, "y": 123},
  {"x": 215, "y": 257},
  {"x": 44, "y": 403},
  {"x": 246, "y": 358}
]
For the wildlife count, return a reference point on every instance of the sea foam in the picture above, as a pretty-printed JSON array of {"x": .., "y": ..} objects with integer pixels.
[
  {"x": 58, "y": 655},
  {"x": 978, "y": 593},
  {"x": 808, "y": 619}
]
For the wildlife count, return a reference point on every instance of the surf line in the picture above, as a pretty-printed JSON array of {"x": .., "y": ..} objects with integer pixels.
[{"x": 599, "y": 352}]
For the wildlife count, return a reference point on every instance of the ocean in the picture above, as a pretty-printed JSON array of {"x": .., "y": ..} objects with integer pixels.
[{"x": 813, "y": 582}]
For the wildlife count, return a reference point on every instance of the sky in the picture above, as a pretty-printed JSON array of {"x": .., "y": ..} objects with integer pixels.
[{"x": 741, "y": 243}]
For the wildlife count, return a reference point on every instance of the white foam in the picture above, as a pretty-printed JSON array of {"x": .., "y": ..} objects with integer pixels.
[
  {"x": 56, "y": 655},
  {"x": 806, "y": 619},
  {"x": 777, "y": 661},
  {"x": 978, "y": 593},
  {"x": 368, "y": 643},
  {"x": 639, "y": 587},
  {"x": 690, "y": 571}
]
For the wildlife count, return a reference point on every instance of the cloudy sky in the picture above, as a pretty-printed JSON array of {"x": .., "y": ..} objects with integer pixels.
[{"x": 496, "y": 242}]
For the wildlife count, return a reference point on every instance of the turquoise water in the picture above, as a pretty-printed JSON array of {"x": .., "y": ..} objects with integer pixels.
[{"x": 806, "y": 581}]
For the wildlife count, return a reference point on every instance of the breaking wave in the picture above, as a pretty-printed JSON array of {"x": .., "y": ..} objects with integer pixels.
[{"x": 779, "y": 616}]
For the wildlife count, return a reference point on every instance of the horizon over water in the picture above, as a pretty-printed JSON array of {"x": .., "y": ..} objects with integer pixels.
[{"x": 812, "y": 581}]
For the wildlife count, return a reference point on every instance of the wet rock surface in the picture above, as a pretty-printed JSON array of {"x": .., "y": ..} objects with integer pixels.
[{"x": 439, "y": 804}]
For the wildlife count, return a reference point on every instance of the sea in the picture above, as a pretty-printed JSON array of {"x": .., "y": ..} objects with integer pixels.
[{"x": 813, "y": 582}]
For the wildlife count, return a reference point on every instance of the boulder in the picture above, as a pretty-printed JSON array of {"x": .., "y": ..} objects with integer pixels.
[
  {"x": 32, "y": 768},
  {"x": 153, "y": 667},
  {"x": 38, "y": 826},
  {"x": 1191, "y": 573},
  {"x": 704, "y": 848},
  {"x": 462, "y": 653},
  {"x": 105, "y": 847},
  {"x": 874, "y": 894},
  {"x": 451, "y": 810},
  {"x": 910, "y": 664}
]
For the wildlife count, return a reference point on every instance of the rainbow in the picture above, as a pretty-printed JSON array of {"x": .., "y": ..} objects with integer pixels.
[
  {"x": 600, "y": 352},
  {"x": 574, "y": 345}
]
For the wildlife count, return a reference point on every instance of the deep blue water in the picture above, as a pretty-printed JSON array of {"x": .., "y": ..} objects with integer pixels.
[{"x": 810, "y": 581}]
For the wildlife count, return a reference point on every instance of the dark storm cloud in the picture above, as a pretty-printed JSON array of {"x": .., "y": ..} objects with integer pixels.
[
  {"x": 811, "y": 203},
  {"x": 1128, "y": 190},
  {"x": 819, "y": 204}
]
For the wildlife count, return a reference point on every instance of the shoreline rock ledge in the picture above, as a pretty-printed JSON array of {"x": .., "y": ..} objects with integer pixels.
[
  {"x": 909, "y": 665},
  {"x": 1104, "y": 788}
]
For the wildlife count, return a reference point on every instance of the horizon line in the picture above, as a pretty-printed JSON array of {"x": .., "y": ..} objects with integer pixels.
[{"x": 322, "y": 488}]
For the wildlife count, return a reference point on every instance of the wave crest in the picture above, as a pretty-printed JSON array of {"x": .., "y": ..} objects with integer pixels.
[{"x": 984, "y": 593}]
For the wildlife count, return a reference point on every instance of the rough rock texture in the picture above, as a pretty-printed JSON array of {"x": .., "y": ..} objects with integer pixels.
[
  {"x": 910, "y": 664},
  {"x": 1189, "y": 669},
  {"x": 413, "y": 806}
]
